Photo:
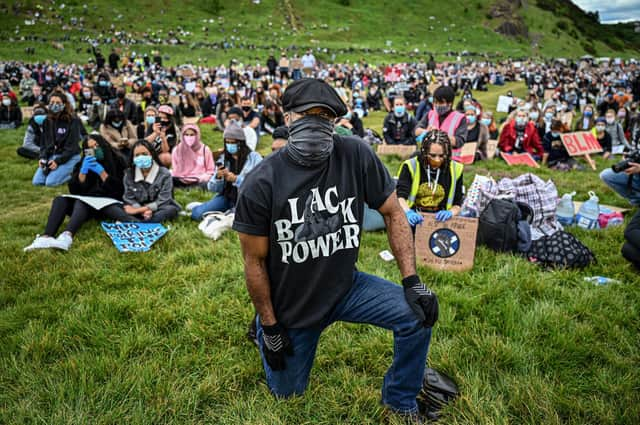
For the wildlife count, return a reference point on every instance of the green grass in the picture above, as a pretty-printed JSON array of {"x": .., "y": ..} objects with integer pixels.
[
  {"x": 345, "y": 29},
  {"x": 94, "y": 336}
]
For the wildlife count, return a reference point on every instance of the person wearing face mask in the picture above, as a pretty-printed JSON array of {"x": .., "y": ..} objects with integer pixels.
[
  {"x": 619, "y": 141},
  {"x": 634, "y": 126},
  {"x": 519, "y": 135},
  {"x": 271, "y": 117},
  {"x": 604, "y": 138},
  {"x": 119, "y": 132},
  {"x": 566, "y": 115},
  {"x": 487, "y": 119},
  {"x": 32, "y": 141},
  {"x": 192, "y": 162},
  {"x": 352, "y": 123},
  {"x": 250, "y": 118},
  {"x": 586, "y": 121},
  {"x": 621, "y": 97},
  {"x": 59, "y": 148},
  {"x": 126, "y": 106},
  {"x": 398, "y": 125},
  {"x": 431, "y": 182},
  {"x": 10, "y": 112},
  {"x": 208, "y": 105},
  {"x": 374, "y": 97},
  {"x": 84, "y": 103},
  {"x": 104, "y": 88},
  {"x": 548, "y": 117},
  {"x": 299, "y": 217},
  {"x": 233, "y": 166},
  {"x": 555, "y": 154},
  {"x": 443, "y": 118},
  {"x": 608, "y": 103},
  {"x": 148, "y": 189},
  {"x": 477, "y": 132},
  {"x": 99, "y": 174},
  {"x": 36, "y": 96},
  {"x": 98, "y": 112}
]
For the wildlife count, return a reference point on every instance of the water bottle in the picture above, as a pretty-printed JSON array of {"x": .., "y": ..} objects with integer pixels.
[
  {"x": 587, "y": 217},
  {"x": 600, "y": 280},
  {"x": 566, "y": 211}
]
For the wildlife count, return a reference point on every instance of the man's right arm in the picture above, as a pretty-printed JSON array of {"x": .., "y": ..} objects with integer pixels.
[{"x": 255, "y": 250}]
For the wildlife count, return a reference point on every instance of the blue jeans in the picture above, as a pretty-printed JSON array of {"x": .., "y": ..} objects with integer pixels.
[
  {"x": 59, "y": 176},
  {"x": 620, "y": 183},
  {"x": 375, "y": 301},
  {"x": 217, "y": 203}
]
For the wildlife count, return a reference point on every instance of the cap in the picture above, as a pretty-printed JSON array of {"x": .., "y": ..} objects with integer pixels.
[
  {"x": 234, "y": 110},
  {"x": 601, "y": 119},
  {"x": 308, "y": 93},
  {"x": 445, "y": 93},
  {"x": 281, "y": 132},
  {"x": 166, "y": 109},
  {"x": 233, "y": 131}
]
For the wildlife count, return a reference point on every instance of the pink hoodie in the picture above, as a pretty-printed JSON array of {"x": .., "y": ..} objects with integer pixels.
[{"x": 192, "y": 164}]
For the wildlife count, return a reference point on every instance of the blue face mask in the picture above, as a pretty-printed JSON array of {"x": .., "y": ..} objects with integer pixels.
[
  {"x": 430, "y": 99},
  {"x": 471, "y": 119},
  {"x": 486, "y": 121},
  {"x": 399, "y": 110},
  {"x": 588, "y": 114},
  {"x": 39, "y": 119},
  {"x": 555, "y": 135},
  {"x": 56, "y": 108},
  {"x": 521, "y": 121},
  {"x": 232, "y": 148},
  {"x": 151, "y": 120},
  {"x": 534, "y": 116},
  {"x": 143, "y": 161},
  {"x": 104, "y": 83},
  {"x": 347, "y": 116},
  {"x": 548, "y": 115}
]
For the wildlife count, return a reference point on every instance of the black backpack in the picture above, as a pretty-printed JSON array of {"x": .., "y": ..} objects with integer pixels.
[{"x": 504, "y": 226}]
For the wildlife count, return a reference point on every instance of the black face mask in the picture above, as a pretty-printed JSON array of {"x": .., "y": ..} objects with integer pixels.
[
  {"x": 310, "y": 140},
  {"x": 120, "y": 95},
  {"x": 246, "y": 108}
]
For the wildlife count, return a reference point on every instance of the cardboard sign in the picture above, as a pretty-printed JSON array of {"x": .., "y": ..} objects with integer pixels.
[
  {"x": 503, "y": 103},
  {"x": 190, "y": 120},
  {"x": 403, "y": 151},
  {"x": 519, "y": 159},
  {"x": 27, "y": 112},
  {"x": 466, "y": 154},
  {"x": 492, "y": 148},
  {"x": 581, "y": 143},
  {"x": 134, "y": 237},
  {"x": 449, "y": 245}
]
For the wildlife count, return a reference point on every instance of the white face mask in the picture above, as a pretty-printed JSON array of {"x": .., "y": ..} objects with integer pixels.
[{"x": 6, "y": 102}]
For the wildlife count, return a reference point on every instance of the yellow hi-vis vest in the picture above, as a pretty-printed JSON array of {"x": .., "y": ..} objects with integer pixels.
[{"x": 455, "y": 169}]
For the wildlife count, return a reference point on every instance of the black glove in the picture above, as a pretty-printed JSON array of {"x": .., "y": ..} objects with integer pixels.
[
  {"x": 276, "y": 345},
  {"x": 421, "y": 299}
]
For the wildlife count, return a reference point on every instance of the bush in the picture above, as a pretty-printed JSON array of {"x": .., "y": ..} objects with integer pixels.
[{"x": 562, "y": 25}]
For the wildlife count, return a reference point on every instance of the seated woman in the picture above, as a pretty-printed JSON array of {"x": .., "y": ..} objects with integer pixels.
[
  {"x": 59, "y": 149},
  {"x": 271, "y": 117},
  {"x": 10, "y": 112},
  {"x": 555, "y": 154},
  {"x": 154, "y": 132},
  {"x": 519, "y": 135},
  {"x": 602, "y": 136},
  {"x": 476, "y": 132},
  {"x": 98, "y": 175},
  {"x": 587, "y": 121},
  {"x": 119, "y": 132},
  {"x": 488, "y": 120},
  {"x": 192, "y": 161},
  {"x": 148, "y": 189},
  {"x": 32, "y": 141},
  {"x": 166, "y": 131},
  {"x": 233, "y": 165},
  {"x": 431, "y": 182}
]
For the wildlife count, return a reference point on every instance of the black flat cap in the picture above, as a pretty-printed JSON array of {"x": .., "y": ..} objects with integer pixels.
[
  {"x": 281, "y": 132},
  {"x": 308, "y": 93}
]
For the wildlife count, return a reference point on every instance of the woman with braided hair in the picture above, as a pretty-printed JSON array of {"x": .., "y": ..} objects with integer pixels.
[{"x": 431, "y": 182}]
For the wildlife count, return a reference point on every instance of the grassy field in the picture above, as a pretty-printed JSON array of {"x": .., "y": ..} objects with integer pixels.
[
  {"x": 346, "y": 27},
  {"x": 94, "y": 336}
]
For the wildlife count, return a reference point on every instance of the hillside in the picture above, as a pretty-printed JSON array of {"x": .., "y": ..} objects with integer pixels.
[{"x": 381, "y": 31}]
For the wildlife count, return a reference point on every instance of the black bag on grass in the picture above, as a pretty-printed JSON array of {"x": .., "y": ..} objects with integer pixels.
[
  {"x": 437, "y": 391},
  {"x": 561, "y": 249},
  {"x": 504, "y": 225}
]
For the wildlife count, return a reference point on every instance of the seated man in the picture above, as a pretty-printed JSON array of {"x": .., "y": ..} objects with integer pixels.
[
  {"x": 626, "y": 182},
  {"x": 398, "y": 125},
  {"x": 631, "y": 248},
  {"x": 520, "y": 135}
]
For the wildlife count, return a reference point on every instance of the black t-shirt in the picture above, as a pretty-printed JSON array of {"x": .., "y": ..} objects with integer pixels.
[
  {"x": 428, "y": 199},
  {"x": 313, "y": 218},
  {"x": 556, "y": 150},
  {"x": 473, "y": 133}
]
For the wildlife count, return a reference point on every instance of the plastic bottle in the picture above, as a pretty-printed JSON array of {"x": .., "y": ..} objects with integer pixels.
[
  {"x": 600, "y": 280},
  {"x": 587, "y": 217},
  {"x": 566, "y": 211}
]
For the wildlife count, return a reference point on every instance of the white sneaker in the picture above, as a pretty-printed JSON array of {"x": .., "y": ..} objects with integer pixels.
[
  {"x": 64, "y": 241},
  {"x": 41, "y": 242},
  {"x": 192, "y": 205}
]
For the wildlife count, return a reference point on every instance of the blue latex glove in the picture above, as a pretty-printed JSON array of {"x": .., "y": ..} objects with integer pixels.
[
  {"x": 96, "y": 167},
  {"x": 414, "y": 218},
  {"x": 421, "y": 137},
  {"x": 86, "y": 164},
  {"x": 443, "y": 215}
]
